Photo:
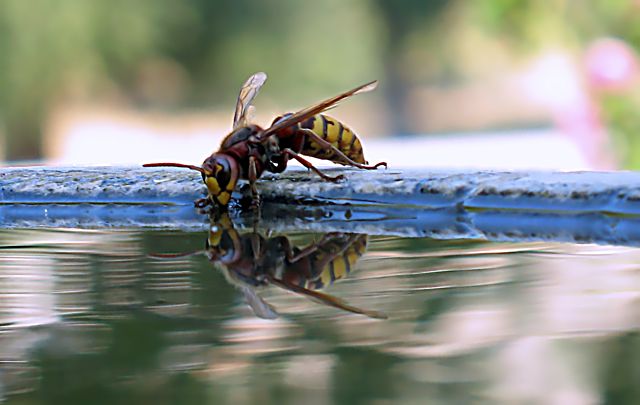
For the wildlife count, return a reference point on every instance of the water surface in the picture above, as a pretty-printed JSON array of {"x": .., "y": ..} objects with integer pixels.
[{"x": 98, "y": 317}]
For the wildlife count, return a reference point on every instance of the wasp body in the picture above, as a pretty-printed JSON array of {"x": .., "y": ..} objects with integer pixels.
[{"x": 249, "y": 150}]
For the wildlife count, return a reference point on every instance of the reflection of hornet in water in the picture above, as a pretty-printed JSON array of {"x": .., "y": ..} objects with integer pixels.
[{"x": 250, "y": 261}]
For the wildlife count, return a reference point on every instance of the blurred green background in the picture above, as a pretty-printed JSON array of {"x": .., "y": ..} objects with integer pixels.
[{"x": 434, "y": 58}]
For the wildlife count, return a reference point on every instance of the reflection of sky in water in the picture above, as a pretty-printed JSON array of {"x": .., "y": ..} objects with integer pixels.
[{"x": 552, "y": 323}]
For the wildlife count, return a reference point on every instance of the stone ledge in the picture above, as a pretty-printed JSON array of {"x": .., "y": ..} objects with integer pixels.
[{"x": 601, "y": 207}]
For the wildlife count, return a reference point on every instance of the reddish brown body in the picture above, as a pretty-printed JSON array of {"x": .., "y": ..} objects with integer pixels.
[
  {"x": 249, "y": 150},
  {"x": 237, "y": 145}
]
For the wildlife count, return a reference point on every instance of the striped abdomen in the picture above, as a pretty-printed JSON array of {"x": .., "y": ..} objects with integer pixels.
[
  {"x": 336, "y": 133},
  {"x": 336, "y": 259}
]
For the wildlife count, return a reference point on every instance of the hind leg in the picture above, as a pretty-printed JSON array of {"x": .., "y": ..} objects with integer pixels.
[
  {"x": 293, "y": 155},
  {"x": 343, "y": 158}
]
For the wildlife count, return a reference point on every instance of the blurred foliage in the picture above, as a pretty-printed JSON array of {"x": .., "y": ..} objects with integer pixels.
[
  {"x": 531, "y": 23},
  {"x": 401, "y": 20},
  {"x": 71, "y": 49},
  {"x": 167, "y": 54},
  {"x": 624, "y": 125},
  {"x": 577, "y": 24}
]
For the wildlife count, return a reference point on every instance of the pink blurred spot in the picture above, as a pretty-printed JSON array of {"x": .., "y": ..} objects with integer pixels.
[{"x": 611, "y": 64}]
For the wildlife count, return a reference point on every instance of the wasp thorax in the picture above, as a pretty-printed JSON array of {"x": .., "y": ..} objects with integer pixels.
[
  {"x": 242, "y": 134},
  {"x": 285, "y": 132},
  {"x": 220, "y": 176}
]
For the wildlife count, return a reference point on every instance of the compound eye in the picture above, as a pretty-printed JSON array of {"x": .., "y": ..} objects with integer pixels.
[{"x": 223, "y": 175}]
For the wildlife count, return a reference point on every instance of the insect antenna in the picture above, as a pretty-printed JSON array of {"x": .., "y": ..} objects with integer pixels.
[
  {"x": 171, "y": 164},
  {"x": 170, "y": 256}
]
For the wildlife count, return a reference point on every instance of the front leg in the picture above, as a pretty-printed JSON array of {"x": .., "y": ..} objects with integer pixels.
[
  {"x": 203, "y": 202},
  {"x": 256, "y": 246},
  {"x": 253, "y": 178},
  {"x": 277, "y": 164},
  {"x": 208, "y": 206},
  {"x": 255, "y": 196}
]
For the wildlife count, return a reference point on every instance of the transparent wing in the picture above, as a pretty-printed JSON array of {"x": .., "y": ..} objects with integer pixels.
[
  {"x": 248, "y": 92},
  {"x": 317, "y": 109},
  {"x": 260, "y": 307},
  {"x": 327, "y": 299}
]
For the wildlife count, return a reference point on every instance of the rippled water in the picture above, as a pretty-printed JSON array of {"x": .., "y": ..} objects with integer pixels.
[{"x": 100, "y": 317}]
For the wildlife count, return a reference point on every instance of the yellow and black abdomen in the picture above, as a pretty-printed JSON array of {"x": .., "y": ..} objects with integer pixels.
[
  {"x": 337, "y": 134},
  {"x": 335, "y": 260}
]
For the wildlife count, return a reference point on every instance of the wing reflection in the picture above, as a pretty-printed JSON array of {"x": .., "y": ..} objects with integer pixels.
[{"x": 251, "y": 261}]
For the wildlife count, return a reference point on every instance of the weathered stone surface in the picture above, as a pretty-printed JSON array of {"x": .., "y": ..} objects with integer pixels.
[
  {"x": 584, "y": 207},
  {"x": 98, "y": 185}
]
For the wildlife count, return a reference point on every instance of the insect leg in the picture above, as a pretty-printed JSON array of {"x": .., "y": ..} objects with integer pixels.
[
  {"x": 253, "y": 177},
  {"x": 291, "y": 154},
  {"x": 255, "y": 196},
  {"x": 326, "y": 299},
  {"x": 202, "y": 202},
  {"x": 256, "y": 246},
  {"x": 313, "y": 247},
  {"x": 260, "y": 307},
  {"x": 345, "y": 159}
]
